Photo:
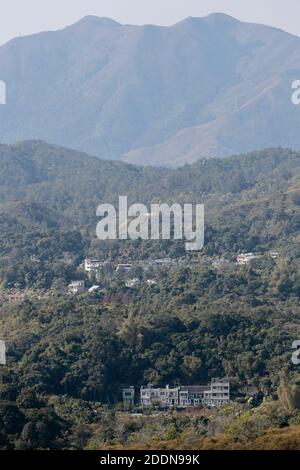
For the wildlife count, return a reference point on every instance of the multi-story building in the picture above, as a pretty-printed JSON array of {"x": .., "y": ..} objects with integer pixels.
[
  {"x": 215, "y": 394},
  {"x": 165, "y": 397},
  {"x": 192, "y": 395},
  {"x": 218, "y": 394},
  {"x": 91, "y": 265},
  {"x": 128, "y": 395}
]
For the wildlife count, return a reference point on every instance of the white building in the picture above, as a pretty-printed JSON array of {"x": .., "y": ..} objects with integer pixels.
[
  {"x": 132, "y": 282},
  {"x": 245, "y": 258},
  {"x": 213, "y": 395},
  {"x": 76, "y": 287},
  {"x": 218, "y": 394},
  {"x": 165, "y": 397},
  {"x": 91, "y": 265}
]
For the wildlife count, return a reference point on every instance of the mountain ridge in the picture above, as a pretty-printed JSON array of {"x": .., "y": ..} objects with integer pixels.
[{"x": 118, "y": 91}]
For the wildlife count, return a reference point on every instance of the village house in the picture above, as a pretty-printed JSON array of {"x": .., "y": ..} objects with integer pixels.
[
  {"x": 132, "y": 282},
  {"x": 245, "y": 258},
  {"x": 76, "y": 287},
  {"x": 128, "y": 395},
  {"x": 16, "y": 297},
  {"x": 165, "y": 397},
  {"x": 91, "y": 265},
  {"x": 213, "y": 395},
  {"x": 151, "y": 282}
]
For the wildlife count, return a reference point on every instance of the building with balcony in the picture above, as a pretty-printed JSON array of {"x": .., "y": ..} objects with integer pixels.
[{"x": 213, "y": 395}]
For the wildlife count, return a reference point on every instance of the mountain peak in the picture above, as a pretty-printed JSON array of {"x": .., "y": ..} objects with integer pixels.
[
  {"x": 97, "y": 20},
  {"x": 211, "y": 18},
  {"x": 218, "y": 16}
]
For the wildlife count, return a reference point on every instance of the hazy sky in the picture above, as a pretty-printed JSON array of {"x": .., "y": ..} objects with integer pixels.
[{"x": 20, "y": 17}]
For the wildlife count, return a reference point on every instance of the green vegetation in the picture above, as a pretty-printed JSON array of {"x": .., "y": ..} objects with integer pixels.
[{"x": 70, "y": 356}]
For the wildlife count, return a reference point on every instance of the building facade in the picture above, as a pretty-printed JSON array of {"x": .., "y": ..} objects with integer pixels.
[
  {"x": 213, "y": 395},
  {"x": 91, "y": 265},
  {"x": 128, "y": 395}
]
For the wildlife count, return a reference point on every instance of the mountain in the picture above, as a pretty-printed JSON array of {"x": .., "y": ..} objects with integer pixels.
[
  {"x": 204, "y": 87},
  {"x": 60, "y": 178},
  {"x": 251, "y": 201}
]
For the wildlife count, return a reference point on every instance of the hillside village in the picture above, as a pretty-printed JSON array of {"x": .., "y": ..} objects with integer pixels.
[{"x": 134, "y": 274}]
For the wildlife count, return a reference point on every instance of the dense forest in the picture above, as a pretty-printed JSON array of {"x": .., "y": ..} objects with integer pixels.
[{"x": 68, "y": 357}]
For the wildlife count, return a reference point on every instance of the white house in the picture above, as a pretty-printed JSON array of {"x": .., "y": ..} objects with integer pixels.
[
  {"x": 132, "y": 282},
  {"x": 76, "y": 287},
  {"x": 245, "y": 258},
  {"x": 91, "y": 265}
]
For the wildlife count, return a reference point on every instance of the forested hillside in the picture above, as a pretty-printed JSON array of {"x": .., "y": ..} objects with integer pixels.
[{"x": 70, "y": 356}]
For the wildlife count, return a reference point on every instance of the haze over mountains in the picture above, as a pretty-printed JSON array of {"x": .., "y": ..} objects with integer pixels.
[{"x": 209, "y": 86}]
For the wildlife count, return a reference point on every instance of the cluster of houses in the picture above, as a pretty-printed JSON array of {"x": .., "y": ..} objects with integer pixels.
[
  {"x": 246, "y": 258},
  {"x": 94, "y": 265},
  {"x": 213, "y": 395},
  {"x": 243, "y": 259}
]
